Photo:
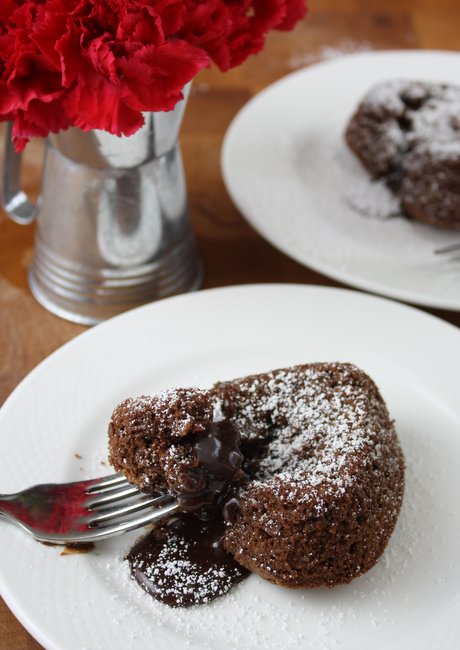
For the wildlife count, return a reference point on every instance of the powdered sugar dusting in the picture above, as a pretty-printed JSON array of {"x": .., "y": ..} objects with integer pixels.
[
  {"x": 432, "y": 111},
  {"x": 321, "y": 428},
  {"x": 153, "y": 460}
]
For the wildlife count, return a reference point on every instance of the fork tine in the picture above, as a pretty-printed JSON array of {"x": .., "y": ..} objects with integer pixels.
[
  {"x": 447, "y": 249},
  {"x": 106, "y": 498},
  {"x": 84, "y": 511},
  {"x": 147, "y": 501},
  {"x": 107, "y": 484},
  {"x": 102, "y": 532}
]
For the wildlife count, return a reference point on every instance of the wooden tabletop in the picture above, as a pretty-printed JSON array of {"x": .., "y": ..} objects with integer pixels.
[{"x": 232, "y": 253}]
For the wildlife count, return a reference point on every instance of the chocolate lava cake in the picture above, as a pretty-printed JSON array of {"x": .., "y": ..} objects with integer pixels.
[
  {"x": 408, "y": 133},
  {"x": 304, "y": 463}
]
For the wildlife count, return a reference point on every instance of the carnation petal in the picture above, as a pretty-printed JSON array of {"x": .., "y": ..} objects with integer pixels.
[
  {"x": 99, "y": 104},
  {"x": 154, "y": 77}
]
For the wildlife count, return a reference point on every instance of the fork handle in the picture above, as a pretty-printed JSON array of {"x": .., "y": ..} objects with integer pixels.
[
  {"x": 8, "y": 503},
  {"x": 6, "y": 499},
  {"x": 6, "y": 509}
]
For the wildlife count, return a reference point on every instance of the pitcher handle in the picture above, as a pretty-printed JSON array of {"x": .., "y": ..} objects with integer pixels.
[{"x": 15, "y": 202}]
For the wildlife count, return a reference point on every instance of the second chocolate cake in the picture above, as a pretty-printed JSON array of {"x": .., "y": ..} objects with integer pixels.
[
  {"x": 306, "y": 467},
  {"x": 408, "y": 134}
]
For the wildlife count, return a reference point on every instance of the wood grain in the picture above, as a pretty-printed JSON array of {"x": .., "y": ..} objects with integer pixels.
[{"x": 231, "y": 251}]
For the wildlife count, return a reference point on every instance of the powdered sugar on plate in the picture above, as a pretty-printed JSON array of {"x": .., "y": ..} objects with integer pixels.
[
  {"x": 372, "y": 199},
  {"x": 327, "y": 52}
]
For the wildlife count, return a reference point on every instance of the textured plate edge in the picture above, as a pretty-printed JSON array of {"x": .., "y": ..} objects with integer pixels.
[{"x": 413, "y": 298}]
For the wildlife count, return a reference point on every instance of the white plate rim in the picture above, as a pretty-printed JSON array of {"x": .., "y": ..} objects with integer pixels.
[
  {"x": 327, "y": 269},
  {"x": 101, "y": 331}
]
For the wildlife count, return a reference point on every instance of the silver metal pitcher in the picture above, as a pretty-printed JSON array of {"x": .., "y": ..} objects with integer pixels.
[{"x": 112, "y": 225}]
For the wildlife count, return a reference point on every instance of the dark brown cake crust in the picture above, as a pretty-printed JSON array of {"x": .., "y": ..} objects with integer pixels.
[
  {"x": 408, "y": 133},
  {"x": 324, "y": 470}
]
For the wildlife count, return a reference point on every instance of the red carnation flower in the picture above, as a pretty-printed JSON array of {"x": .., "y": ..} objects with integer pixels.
[{"x": 101, "y": 63}]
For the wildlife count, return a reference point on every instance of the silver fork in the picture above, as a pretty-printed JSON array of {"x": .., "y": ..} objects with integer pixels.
[
  {"x": 84, "y": 511},
  {"x": 453, "y": 250}
]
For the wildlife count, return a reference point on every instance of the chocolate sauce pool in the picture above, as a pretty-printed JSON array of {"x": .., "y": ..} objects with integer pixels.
[{"x": 183, "y": 563}]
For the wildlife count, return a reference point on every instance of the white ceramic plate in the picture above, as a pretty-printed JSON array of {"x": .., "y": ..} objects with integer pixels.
[
  {"x": 410, "y": 600},
  {"x": 288, "y": 170}
]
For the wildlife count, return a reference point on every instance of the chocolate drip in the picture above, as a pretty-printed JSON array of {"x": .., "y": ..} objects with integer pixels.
[
  {"x": 182, "y": 563},
  {"x": 218, "y": 453}
]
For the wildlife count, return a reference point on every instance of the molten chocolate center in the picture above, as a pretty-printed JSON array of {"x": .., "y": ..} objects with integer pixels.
[{"x": 219, "y": 454}]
